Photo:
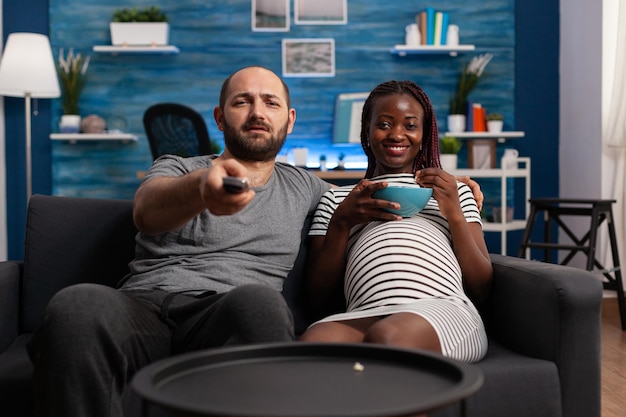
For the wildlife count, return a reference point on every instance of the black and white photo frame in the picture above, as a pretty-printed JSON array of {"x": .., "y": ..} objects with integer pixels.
[
  {"x": 270, "y": 15},
  {"x": 321, "y": 12},
  {"x": 308, "y": 57}
]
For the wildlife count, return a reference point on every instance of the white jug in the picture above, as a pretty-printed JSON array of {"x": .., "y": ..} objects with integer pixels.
[
  {"x": 452, "y": 35},
  {"x": 412, "y": 37},
  {"x": 509, "y": 159}
]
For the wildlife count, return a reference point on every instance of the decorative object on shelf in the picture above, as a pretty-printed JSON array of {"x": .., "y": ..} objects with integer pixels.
[
  {"x": 412, "y": 35},
  {"x": 300, "y": 156},
  {"x": 340, "y": 163},
  {"x": 497, "y": 214},
  {"x": 495, "y": 121},
  {"x": 449, "y": 147},
  {"x": 72, "y": 70},
  {"x": 452, "y": 35},
  {"x": 471, "y": 74},
  {"x": 322, "y": 162},
  {"x": 27, "y": 70},
  {"x": 93, "y": 124},
  {"x": 509, "y": 158},
  {"x": 137, "y": 27},
  {"x": 457, "y": 122}
]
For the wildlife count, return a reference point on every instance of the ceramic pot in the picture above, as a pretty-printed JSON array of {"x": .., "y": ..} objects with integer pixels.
[
  {"x": 70, "y": 123},
  {"x": 456, "y": 123},
  {"x": 139, "y": 33},
  {"x": 494, "y": 125},
  {"x": 448, "y": 161}
]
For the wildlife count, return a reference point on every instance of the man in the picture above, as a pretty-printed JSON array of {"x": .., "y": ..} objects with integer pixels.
[{"x": 209, "y": 264}]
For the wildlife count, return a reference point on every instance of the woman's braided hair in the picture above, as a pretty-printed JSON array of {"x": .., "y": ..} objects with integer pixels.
[{"x": 428, "y": 156}]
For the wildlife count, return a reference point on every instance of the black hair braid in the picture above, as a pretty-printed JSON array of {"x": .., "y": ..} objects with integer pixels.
[{"x": 428, "y": 156}]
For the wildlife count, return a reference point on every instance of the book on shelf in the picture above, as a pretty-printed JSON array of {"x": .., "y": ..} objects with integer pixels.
[
  {"x": 421, "y": 23},
  {"x": 438, "y": 22},
  {"x": 479, "y": 116},
  {"x": 430, "y": 26},
  {"x": 445, "y": 21},
  {"x": 469, "y": 116}
]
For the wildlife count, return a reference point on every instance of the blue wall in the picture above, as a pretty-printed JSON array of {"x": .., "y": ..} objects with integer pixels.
[{"x": 215, "y": 39}]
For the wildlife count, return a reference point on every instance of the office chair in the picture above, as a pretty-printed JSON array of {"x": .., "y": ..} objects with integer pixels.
[{"x": 176, "y": 129}]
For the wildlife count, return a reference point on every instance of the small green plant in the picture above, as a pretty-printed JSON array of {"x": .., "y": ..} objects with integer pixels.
[
  {"x": 450, "y": 145},
  {"x": 322, "y": 158},
  {"x": 148, "y": 14},
  {"x": 495, "y": 116}
]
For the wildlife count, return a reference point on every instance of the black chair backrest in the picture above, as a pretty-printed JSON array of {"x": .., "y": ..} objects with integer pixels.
[{"x": 176, "y": 129}]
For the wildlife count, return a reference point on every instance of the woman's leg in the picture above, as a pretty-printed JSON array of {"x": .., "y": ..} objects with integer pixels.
[
  {"x": 404, "y": 330},
  {"x": 347, "y": 331}
]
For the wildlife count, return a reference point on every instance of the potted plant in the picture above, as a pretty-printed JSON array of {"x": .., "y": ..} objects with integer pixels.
[
  {"x": 322, "y": 162},
  {"x": 494, "y": 122},
  {"x": 472, "y": 72},
  {"x": 72, "y": 71},
  {"x": 340, "y": 163},
  {"x": 449, "y": 147},
  {"x": 136, "y": 27}
]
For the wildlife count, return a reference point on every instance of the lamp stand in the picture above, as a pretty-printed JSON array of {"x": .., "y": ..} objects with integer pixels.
[{"x": 29, "y": 173}]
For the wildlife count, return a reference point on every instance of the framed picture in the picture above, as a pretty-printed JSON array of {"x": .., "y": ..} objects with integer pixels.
[
  {"x": 321, "y": 12},
  {"x": 270, "y": 15},
  {"x": 308, "y": 57}
]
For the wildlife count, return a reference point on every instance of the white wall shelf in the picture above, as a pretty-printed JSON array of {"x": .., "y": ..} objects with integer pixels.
[
  {"x": 499, "y": 136},
  {"x": 92, "y": 137},
  {"x": 522, "y": 170},
  {"x": 453, "y": 50},
  {"x": 148, "y": 49}
]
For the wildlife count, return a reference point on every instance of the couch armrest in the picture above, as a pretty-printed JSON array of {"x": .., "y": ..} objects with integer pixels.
[
  {"x": 551, "y": 312},
  {"x": 10, "y": 277}
]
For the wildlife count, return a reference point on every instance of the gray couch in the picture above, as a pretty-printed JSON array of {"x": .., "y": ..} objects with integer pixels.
[{"x": 543, "y": 320}]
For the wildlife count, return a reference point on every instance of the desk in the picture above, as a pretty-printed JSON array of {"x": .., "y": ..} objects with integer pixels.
[{"x": 304, "y": 380}]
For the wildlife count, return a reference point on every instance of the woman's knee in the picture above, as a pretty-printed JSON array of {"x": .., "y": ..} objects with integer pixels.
[{"x": 404, "y": 330}]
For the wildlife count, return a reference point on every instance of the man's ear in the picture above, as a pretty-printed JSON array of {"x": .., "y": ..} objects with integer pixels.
[
  {"x": 292, "y": 119},
  {"x": 218, "y": 115}
]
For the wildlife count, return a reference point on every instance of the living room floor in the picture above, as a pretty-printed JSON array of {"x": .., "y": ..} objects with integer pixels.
[{"x": 613, "y": 361}]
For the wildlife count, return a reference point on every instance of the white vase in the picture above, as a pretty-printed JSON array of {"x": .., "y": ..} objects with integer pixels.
[
  {"x": 494, "y": 125},
  {"x": 456, "y": 123},
  {"x": 448, "y": 161},
  {"x": 70, "y": 123},
  {"x": 139, "y": 33}
]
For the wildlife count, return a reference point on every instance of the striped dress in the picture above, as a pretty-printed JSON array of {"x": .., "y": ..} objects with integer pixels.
[{"x": 409, "y": 266}]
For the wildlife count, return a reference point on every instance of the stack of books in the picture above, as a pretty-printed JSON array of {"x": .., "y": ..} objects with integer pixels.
[{"x": 433, "y": 26}]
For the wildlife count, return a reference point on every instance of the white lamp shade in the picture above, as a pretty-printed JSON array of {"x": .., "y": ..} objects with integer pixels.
[{"x": 27, "y": 66}]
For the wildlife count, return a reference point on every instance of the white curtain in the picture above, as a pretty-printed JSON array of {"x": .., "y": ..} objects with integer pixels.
[{"x": 614, "y": 129}]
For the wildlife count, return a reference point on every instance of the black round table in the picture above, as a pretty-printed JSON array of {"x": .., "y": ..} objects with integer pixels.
[{"x": 304, "y": 380}]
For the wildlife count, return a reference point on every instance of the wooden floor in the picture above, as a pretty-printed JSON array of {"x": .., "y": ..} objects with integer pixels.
[{"x": 613, "y": 361}]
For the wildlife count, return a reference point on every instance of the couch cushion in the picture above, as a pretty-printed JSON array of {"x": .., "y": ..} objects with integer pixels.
[
  {"x": 515, "y": 386},
  {"x": 71, "y": 240},
  {"x": 16, "y": 373}
]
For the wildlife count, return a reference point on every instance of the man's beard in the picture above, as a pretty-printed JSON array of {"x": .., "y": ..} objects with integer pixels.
[{"x": 254, "y": 147}]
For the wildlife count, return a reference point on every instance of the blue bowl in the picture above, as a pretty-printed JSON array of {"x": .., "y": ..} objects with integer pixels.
[{"x": 412, "y": 198}]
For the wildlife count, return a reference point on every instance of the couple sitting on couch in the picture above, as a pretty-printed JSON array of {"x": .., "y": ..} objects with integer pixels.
[{"x": 210, "y": 264}]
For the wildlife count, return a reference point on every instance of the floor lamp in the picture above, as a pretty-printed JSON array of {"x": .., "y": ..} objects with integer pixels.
[{"x": 27, "y": 70}]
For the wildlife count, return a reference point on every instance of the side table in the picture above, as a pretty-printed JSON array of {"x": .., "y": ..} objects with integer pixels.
[{"x": 304, "y": 380}]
